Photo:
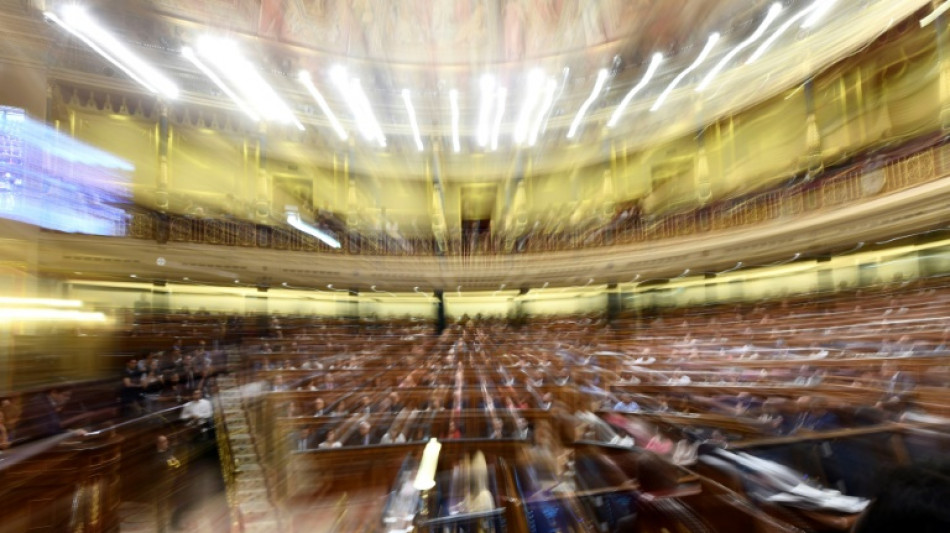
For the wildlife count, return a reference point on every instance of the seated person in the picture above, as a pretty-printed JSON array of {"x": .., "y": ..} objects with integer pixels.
[
  {"x": 363, "y": 435},
  {"x": 435, "y": 404},
  {"x": 547, "y": 401},
  {"x": 304, "y": 440},
  {"x": 320, "y": 407},
  {"x": 198, "y": 411},
  {"x": 626, "y": 404},
  {"x": 331, "y": 441},
  {"x": 497, "y": 429},
  {"x": 817, "y": 417},
  {"x": 453, "y": 432},
  {"x": 41, "y": 415},
  {"x": 390, "y": 438},
  {"x": 522, "y": 429}
]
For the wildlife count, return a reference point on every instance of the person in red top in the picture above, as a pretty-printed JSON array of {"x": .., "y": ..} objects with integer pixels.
[{"x": 453, "y": 432}]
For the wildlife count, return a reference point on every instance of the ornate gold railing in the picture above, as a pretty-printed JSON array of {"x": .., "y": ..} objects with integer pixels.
[{"x": 870, "y": 178}]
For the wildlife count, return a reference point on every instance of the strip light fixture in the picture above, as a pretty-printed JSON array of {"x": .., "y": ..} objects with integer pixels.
[
  {"x": 25, "y": 314},
  {"x": 532, "y": 97},
  {"x": 190, "y": 55},
  {"x": 935, "y": 14},
  {"x": 454, "y": 105},
  {"x": 651, "y": 70},
  {"x": 487, "y": 85},
  {"x": 77, "y": 21},
  {"x": 819, "y": 9},
  {"x": 407, "y": 99},
  {"x": 245, "y": 85},
  {"x": 773, "y": 13},
  {"x": 38, "y": 302},
  {"x": 546, "y": 104},
  {"x": 500, "y": 96},
  {"x": 307, "y": 82},
  {"x": 710, "y": 43},
  {"x": 352, "y": 91},
  {"x": 293, "y": 218},
  {"x": 781, "y": 30},
  {"x": 598, "y": 86}
]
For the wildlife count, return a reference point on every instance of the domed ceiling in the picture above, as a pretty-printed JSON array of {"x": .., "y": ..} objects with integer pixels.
[
  {"x": 520, "y": 76},
  {"x": 471, "y": 92}
]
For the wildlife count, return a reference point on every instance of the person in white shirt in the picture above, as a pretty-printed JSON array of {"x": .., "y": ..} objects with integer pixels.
[
  {"x": 626, "y": 404},
  {"x": 198, "y": 411}
]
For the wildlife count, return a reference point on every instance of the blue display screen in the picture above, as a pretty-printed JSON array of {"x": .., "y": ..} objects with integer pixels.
[{"x": 51, "y": 180}]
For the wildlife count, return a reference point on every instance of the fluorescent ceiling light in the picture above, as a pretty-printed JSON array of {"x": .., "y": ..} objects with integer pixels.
[
  {"x": 190, "y": 55},
  {"x": 49, "y": 302},
  {"x": 772, "y": 14},
  {"x": 699, "y": 59},
  {"x": 352, "y": 91},
  {"x": 293, "y": 218},
  {"x": 407, "y": 99},
  {"x": 307, "y": 82},
  {"x": 549, "y": 89},
  {"x": 532, "y": 97},
  {"x": 598, "y": 85},
  {"x": 363, "y": 102},
  {"x": 819, "y": 9},
  {"x": 77, "y": 22},
  {"x": 487, "y": 84},
  {"x": 940, "y": 10},
  {"x": 500, "y": 97},
  {"x": 235, "y": 71},
  {"x": 651, "y": 70},
  {"x": 781, "y": 30},
  {"x": 454, "y": 104},
  {"x": 31, "y": 313}
]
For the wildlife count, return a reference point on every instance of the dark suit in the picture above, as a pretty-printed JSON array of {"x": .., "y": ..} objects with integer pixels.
[
  {"x": 41, "y": 418},
  {"x": 302, "y": 441},
  {"x": 361, "y": 440}
]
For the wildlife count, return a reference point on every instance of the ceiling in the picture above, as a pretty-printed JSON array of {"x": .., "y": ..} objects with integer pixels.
[
  {"x": 432, "y": 48},
  {"x": 593, "y": 53}
]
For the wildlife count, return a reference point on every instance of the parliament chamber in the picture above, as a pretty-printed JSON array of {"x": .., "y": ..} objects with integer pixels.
[{"x": 458, "y": 266}]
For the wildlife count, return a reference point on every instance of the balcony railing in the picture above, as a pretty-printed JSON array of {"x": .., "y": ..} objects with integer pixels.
[{"x": 873, "y": 176}]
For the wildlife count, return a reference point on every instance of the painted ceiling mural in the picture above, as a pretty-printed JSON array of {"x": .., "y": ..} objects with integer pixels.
[{"x": 459, "y": 31}]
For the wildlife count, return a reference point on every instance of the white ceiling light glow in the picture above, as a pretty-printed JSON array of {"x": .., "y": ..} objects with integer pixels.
[
  {"x": 781, "y": 30},
  {"x": 190, "y": 55},
  {"x": 819, "y": 9},
  {"x": 546, "y": 104},
  {"x": 293, "y": 218},
  {"x": 487, "y": 85},
  {"x": 352, "y": 91},
  {"x": 76, "y": 21},
  {"x": 532, "y": 97},
  {"x": 500, "y": 96},
  {"x": 307, "y": 82},
  {"x": 935, "y": 14},
  {"x": 234, "y": 71},
  {"x": 710, "y": 43},
  {"x": 773, "y": 13},
  {"x": 598, "y": 86},
  {"x": 407, "y": 99},
  {"x": 651, "y": 70},
  {"x": 454, "y": 104}
]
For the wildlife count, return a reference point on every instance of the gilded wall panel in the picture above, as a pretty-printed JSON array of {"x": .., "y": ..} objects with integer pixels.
[
  {"x": 769, "y": 143},
  {"x": 202, "y": 160},
  {"x": 129, "y": 137}
]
